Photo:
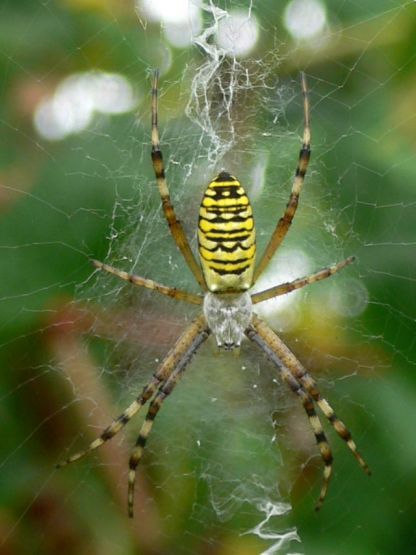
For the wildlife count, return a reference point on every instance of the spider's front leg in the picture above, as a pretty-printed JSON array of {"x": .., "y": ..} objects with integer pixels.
[
  {"x": 140, "y": 281},
  {"x": 175, "y": 225},
  {"x": 284, "y": 288},
  {"x": 285, "y": 221}
]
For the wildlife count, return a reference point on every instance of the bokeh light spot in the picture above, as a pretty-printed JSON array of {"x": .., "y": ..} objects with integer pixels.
[
  {"x": 77, "y": 98},
  {"x": 179, "y": 11},
  {"x": 291, "y": 265},
  {"x": 348, "y": 299},
  {"x": 305, "y": 19}
]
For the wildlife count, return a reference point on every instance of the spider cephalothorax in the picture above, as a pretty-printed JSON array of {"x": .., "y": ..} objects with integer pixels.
[
  {"x": 227, "y": 248},
  {"x": 228, "y": 316}
]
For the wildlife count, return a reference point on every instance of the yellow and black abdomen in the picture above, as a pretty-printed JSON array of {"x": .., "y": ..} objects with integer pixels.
[{"x": 226, "y": 236}]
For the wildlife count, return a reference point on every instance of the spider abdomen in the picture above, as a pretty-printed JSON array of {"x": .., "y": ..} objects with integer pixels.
[{"x": 226, "y": 236}]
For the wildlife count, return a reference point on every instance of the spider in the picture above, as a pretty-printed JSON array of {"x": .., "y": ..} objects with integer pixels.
[{"x": 227, "y": 248}]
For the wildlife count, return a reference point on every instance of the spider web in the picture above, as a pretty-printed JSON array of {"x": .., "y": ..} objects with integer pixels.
[{"x": 231, "y": 465}]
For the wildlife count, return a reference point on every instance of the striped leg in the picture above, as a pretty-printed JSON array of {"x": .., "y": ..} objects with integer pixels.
[
  {"x": 308, "y": 405},
  {"x": 289, "y": 360},
  {"x": 173, "y": 292},
  {"x": 287, "y": 287},
  {"x": 118, "y": 423},
  {"x": 285, "y": 222},
  {"x": 164, "y": 390},
  {"x": 174, "y": 224},
  {"x": 179, "y": 350}
]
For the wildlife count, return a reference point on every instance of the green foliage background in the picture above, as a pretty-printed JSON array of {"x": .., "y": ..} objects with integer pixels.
[{"x": 57, "y": 202}]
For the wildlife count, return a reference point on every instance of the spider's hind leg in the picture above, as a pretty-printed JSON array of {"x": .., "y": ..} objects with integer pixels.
[
  {"x": 169, "y": 365},
  {"x": 322, "y": 443},
  {"x": 287, "y": 358},
  {"x": 183, "y": 355},
  {"x": 138, "y": 450},
  {"x": 309, "y": 407},
  {"x": 341, "y": 429},
  {"x": 118, "y": 423}
]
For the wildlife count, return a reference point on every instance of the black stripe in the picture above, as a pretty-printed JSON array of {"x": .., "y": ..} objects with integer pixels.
[
  {"x": 237, "y": 245},
  {"x": 156, "y": 154},
  {"x": 219, "y": 192},
  {"x": 227, "y": 272},
  {"x": 224, "y": 176},
  {"x": 221, "y": 210},
  {"x": 157, "y": 157},
  {"x": 221, "y": 220},
  {"x": 320, "y": 437},
  {"x": 310, "y": 411},
  {"x": 141, "y": 441},
  {"x": 238, "y": 239},
  {"x": 234, "y": 213}
]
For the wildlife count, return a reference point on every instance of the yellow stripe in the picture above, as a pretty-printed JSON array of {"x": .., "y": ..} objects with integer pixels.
[
  {"x": 226, "y": 215},
  {"x": 235, "y": 237},
  {"x": 223, "y": 184},
  {"x": 241, "y": 201},
  {"x": 228, "y": 226},
  {"x": 228, "y": 266}
]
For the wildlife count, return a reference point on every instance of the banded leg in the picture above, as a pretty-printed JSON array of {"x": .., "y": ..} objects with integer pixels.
[
  {"x": 289, "y": 360},
  {"x": 117, "y": 423},
  {"x": 308, "y": 405},
  {"x": 158, "y": 166},
  {"x": 164, "y": 390},
  {"x": 287, "y": 287},
  {"x": 285, "y": 222},
  {"x": 176, "y": 354},
  {"x": 173, "y": 292}
]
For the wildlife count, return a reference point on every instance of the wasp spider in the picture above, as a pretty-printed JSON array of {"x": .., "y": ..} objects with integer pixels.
[{"x": 227, "y": 249}]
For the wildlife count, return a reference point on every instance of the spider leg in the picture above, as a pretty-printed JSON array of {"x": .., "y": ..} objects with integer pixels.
[
  {"x": 289, "y": 360},
  {"x": 175, "y": 226},
  {"x": 287, "y": 287},
  {"x": 118, "y": 423},
  {"x": 185, "y": 341},
  {"x": 286, "y": 220},
  {"x": 173, "y": 292},
  {"x": 164, "y": 390},
  {"x": 308, "y": 405}
]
